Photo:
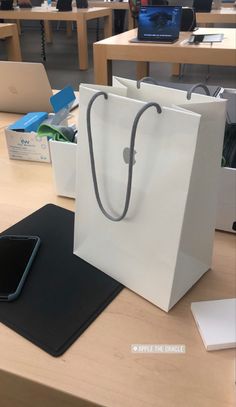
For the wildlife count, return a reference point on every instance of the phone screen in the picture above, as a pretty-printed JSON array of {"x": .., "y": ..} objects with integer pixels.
[
  {"x": 196, "y": 38},
  {"x": 16, "y": 255}
]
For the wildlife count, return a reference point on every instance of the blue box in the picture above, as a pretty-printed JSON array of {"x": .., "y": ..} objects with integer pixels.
[{"x": 29, "y": 122}]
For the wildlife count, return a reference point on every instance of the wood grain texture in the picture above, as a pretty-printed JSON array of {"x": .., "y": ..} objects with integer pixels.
[
  {"x": 80, "y": 16},
  {"x": 17, "y": 391},
  {"x": 114, "y": 5},
  {"x": 222, "y": 16},
  {"x": 120, "y": 48},
  {"x": 9, "y": 32}
]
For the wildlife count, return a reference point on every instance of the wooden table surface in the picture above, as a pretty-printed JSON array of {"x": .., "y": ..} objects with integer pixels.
[
  {"x": 99, "y": 369},
  {"x": 114, "y": 5},
  {"x": 230, "y": 4},
  {"x": 80, "y": 16},
  {"x": 120, "y": 48},
  {"x": 225, "y": 15},
  {"x": 9, "y": 32}
]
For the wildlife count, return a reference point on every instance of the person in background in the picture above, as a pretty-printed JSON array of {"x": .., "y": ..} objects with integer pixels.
[
  {"x": 24, "y": 3},
  {"x": 119, "y": 20}
]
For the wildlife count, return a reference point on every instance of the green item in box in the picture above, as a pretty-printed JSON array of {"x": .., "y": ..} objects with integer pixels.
[{"x": 57, "y": 133}]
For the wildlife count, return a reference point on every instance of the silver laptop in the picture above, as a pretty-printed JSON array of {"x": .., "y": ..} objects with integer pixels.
[{"x": 24, "y": 87}]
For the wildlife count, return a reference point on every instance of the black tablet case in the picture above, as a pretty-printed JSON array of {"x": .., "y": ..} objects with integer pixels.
[{"x": 62, "y": 294}]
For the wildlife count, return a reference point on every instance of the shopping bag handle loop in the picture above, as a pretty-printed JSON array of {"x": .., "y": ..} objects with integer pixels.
[
  {"x": 131, "y": 158},
  {"x": 149, "y": 79},
  {"x": 146, "y": 79},
  {"x": 198, "y": 85}
]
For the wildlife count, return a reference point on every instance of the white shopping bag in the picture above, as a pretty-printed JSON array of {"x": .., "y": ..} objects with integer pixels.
[{"x": 163, "y": 244}]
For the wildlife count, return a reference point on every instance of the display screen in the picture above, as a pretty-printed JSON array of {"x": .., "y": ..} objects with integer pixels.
[
  {"x": 159, "y": 23},
  {"x": 15, "y": 255}
]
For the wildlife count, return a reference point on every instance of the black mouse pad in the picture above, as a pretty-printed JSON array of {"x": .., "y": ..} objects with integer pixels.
[{"x": 62, "y": 294}]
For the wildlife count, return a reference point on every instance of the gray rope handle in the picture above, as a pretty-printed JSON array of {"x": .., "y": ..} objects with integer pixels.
[
  {"x": 198, "y": 85},
  {"x": 132, "y": 144},
  {"x": 146, "y": 79}
]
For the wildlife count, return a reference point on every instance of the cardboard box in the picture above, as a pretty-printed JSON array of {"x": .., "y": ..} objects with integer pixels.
[
  {"x": 63, "y": 157},
  {"x": 27, "y": 146},
  {"x": 23, "y": 145},
  {"x": 226, "y": 211}
]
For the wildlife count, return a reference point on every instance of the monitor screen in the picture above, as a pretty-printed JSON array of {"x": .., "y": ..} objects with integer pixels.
[{"x": 159, "y": 23}]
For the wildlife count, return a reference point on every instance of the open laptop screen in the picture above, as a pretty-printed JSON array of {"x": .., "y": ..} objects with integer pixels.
[{"x": 159, "y": 23}]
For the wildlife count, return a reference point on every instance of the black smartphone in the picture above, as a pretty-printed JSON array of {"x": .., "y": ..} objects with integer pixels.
[
  {"x": 196, "y": 39},
  {"x": 16, "y": 256}
]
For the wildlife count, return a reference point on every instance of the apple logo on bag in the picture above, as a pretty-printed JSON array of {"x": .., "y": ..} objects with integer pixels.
[{"x": 126, "y": 155}]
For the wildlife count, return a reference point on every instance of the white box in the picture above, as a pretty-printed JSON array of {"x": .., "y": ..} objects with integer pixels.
[
  {"x": 216, "y": 321},
  {"x": 27, "y": 146},
  {"x": 63, "y": 155},
  {"x": 226, "y": 211}
]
